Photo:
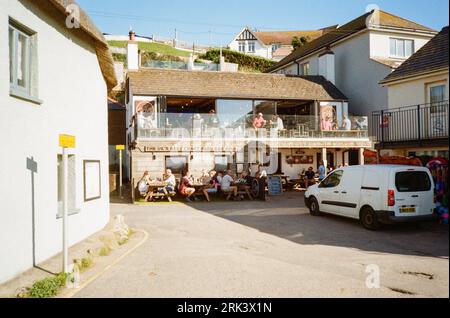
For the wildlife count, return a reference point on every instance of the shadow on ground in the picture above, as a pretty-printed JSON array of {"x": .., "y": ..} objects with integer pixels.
[{"x": 287, "y": 218}]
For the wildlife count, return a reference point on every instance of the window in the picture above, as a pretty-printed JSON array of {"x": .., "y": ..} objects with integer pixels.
[
  {"x": 401, "y": 47},
  {"x": 71, "y": 174},
  {"x": 178, "y": 165},
  {"x": 220, "y": 163},
  {"x": 21, "y": 61},
  {"x": 242, "y": 47},
  {"x": 275, "y": 47},
  {"x": 251, "y": 46},
  {"x": 304, "y": 69},
  {"x": 437, "y": 94},
  {"x": 332, "y": 180},
  {"x": 412, "y": 181}
]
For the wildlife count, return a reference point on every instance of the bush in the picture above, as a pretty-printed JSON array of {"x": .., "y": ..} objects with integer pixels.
[
  {"x": 246, "y": 62},
  {"x": 48, "y": 287}
]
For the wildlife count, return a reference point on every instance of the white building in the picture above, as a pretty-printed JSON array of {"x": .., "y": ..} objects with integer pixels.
[
  {"x": 363, "y": 52},
  {"x": 271, "y": 45},
  {"x": 415, "y": 123},
  {"x": 54, "y": 81}
]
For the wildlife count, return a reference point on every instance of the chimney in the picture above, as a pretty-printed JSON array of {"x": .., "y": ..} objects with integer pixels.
[
  {"x": 326, "y": 65},
  {"x": 132, "y": 53}
]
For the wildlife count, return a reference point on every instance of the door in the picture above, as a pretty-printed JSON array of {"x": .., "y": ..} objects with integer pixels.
[
  {"x": 350, "y": 191},
  {"x": 329, "y": 193},
  {"x": 414, "y": 195}
]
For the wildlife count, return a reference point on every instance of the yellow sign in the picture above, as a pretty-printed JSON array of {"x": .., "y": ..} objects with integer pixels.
[
  {"x": 67, "y": 141},
  {"x": 120, "y": 147}
]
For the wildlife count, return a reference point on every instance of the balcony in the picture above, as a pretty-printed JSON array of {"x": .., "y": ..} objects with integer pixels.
[
  {"x": 418, "y": 125},
  {"x": 205, "y": 127}
]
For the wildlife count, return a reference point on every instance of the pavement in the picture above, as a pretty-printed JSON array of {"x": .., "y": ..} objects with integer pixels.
[{"x": 271, "y": 249}]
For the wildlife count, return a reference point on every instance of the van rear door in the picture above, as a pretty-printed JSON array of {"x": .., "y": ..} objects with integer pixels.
[{"x": 414, "y": 192}]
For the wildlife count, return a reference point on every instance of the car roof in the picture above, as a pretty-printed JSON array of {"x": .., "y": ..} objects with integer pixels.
[{"x": 385, "y": 167}]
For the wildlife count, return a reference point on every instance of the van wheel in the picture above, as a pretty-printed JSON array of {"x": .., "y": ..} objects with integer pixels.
[
  {"x": 314, "y": 207},
  {"x": 369, "y": 219}
]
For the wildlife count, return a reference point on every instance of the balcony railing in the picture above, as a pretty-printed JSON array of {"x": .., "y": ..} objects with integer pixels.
[
  {"x": 419, "y": 123},
  {"x": 230, "y": 126}
]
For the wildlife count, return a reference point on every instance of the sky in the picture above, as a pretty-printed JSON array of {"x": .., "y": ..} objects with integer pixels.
[{"x": 216, "y": 22}]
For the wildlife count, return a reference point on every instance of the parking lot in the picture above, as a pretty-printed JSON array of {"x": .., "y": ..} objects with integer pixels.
[{"x": 272, "y": 249}]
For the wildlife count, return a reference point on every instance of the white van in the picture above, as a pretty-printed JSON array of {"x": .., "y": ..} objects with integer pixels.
[{"x": 375, "y": 194}]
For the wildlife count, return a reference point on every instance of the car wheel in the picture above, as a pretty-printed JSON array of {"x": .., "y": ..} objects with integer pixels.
[
  {"x": 314, "y": 207},
  {"x": 369, "y": 219}
]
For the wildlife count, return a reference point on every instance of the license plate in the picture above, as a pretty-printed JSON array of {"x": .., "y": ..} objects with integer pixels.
[{"x": 408, "y": 210}]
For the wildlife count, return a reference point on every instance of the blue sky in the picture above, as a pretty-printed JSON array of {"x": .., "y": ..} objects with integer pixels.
[{"x": 224, "y": 18}]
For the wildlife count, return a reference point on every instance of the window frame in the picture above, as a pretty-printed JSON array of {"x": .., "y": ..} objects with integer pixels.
[
  {"x": 241, "y": 46},
  {"x": 404, "y": 41},
  {"x": 305, "y": 67},
  {"x": 251, "y": 45},
  {"x": 26, "y": 92}
]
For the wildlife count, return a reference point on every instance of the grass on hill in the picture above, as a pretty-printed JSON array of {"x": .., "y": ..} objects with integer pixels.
[{"x": 153, "y": 47}]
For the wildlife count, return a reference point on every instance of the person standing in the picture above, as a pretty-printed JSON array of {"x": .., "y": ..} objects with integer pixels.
[
  {"x": 347, "y": 124},
  {"x": 322, "y": 171},
  {"x": 259, "y": 121}
]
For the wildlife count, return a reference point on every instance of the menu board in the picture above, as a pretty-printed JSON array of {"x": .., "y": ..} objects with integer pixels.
[{"x": 275, "y": 186}]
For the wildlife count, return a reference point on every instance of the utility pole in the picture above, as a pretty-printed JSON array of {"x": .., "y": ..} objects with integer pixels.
[
  {"x": 210, "y": 39},
  {"x": 175, "y": 41}
]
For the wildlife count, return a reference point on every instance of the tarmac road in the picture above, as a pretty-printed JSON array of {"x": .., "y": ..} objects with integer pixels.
[{"x": 272, "y": 249}]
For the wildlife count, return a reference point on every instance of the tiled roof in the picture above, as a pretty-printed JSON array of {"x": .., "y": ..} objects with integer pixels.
[
  {"x": 285, "y": 37},
  {"x": 282, "y": 51},
  {"x": 384, "y": 20},
  {"x": 432, "y": 57},
  {"x": 88, "y": 27},
  {"x": 177, "y": 83}
]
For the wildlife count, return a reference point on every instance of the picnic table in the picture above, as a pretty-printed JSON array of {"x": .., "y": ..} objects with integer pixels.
[{"x": 153, "y": 191}]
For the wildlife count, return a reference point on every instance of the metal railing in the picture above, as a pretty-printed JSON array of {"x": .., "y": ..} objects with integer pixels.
[
  {"x": 411, "y": 124},
  {"x": 206, "y": 126}
]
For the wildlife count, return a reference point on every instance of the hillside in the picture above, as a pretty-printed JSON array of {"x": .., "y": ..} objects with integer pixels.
[
  {"x": 153, "y": 47},
  {"x": 247, "y": 63}
]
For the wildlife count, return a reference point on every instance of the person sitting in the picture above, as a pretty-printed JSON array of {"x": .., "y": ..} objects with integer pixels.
[
  {"x": 261, "y": 173},
  {"x": 226, "y": 185},
  {"x": 259, "y": 121},
  {"x": 143, "y": 184},
  {"x": 168, "y": 178},
  {"x": 212, "y": 187},
  {"x": 186, "y": 189},
  {"x": 310, "y": 177},
  {"x": 245, "y": 183}
]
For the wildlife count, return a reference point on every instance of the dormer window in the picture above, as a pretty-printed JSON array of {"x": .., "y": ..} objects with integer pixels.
[{"x": 401, "y": 48}]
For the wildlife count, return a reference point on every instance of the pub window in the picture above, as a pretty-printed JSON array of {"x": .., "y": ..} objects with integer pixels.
[{"x": 178, "y": 164}]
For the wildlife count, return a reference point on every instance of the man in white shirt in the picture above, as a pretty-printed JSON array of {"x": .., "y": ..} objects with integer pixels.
[
  {"x": 169, "y": 178},
  {"x": 226, "y": 185}
]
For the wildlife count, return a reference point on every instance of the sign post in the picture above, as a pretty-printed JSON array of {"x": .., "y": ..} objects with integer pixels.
[
  {"x": 66, "y": 142},
  {"x": 120, "y": 148}
]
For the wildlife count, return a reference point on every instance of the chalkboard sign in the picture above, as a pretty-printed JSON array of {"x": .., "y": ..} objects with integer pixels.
[{"x": 275, "y": 186}]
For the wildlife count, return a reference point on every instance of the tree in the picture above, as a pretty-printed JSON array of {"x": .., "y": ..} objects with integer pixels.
[{"x": 298, "y": 42}]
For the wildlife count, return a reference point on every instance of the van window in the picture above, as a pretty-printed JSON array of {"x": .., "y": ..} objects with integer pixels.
[
  {"x": 412, "y": 181},
  {"x": 333, "y": 180}
]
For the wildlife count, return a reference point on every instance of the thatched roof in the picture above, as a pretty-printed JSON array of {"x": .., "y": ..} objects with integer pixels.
[{"x": 88, "y": 27}]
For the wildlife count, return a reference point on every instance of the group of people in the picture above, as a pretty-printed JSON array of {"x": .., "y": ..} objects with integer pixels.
[
  {"x": 208, "y": 184},
  {"x": 327, "y": 124},
  {"x": 275, "y": 123},
  {"x": 321, "y": 173},
  {"x": 212, "y": 182},
  {"x": 168, "y": 178}
]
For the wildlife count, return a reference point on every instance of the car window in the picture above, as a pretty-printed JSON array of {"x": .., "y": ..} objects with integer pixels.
[
  {"x": 412, "y": 181},
  {"x": 333, "y": 180}
]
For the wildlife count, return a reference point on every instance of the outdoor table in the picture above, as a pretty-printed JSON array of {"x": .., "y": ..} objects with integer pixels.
[
  {"x": 155, "y": 186},
  {"x": 244, "y": 189}
]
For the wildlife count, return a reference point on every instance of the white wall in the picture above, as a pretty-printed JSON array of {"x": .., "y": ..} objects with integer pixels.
[
  {"x": 260, "y": 50},
  {"x": 380, "y": 42},
  {"x": 415, "y": 92},
  {"x": 74, "y": 94}
]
